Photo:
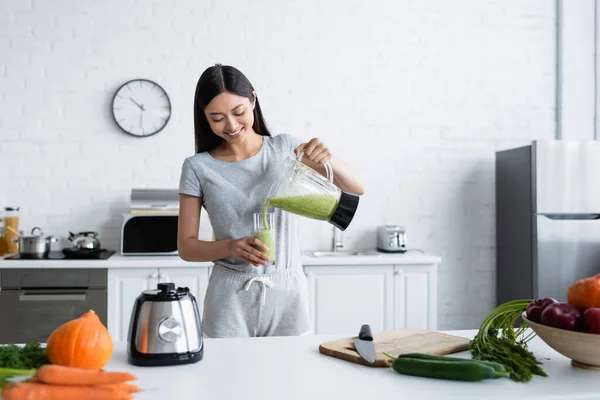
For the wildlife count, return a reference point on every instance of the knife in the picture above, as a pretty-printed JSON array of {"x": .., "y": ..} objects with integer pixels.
[{"x": 364, "y": 344}]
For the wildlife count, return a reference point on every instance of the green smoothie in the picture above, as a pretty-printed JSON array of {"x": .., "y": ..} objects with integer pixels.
[
  {"x": 316, "y": 206},
  {"x": 266, "y": 236}
]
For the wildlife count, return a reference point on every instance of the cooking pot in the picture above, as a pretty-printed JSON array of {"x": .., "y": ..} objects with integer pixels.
[{"x": 34, "y": 245}]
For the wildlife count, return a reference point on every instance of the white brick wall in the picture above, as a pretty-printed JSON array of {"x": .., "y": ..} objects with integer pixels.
[{"x": 416, "y": 94}]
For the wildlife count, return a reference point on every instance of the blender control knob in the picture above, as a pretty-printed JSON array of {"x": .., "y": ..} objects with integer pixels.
[{"x": 169, "y": 330}]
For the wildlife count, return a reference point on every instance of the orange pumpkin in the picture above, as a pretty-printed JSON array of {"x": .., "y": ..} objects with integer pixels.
[
  {"x": 585, "y": 293},
  {"x": 83, "y": 342}
]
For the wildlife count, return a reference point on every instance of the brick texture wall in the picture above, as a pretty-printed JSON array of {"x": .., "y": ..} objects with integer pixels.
[{"x": 416, "y": 94}]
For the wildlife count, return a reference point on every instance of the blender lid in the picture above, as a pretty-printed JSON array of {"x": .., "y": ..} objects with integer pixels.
[
  {"x": 166, "y": 291},
  {"x": 343, "y": 214}
]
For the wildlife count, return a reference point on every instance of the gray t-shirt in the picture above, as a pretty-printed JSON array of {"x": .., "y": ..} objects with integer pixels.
[{"x": 233, "y": 191}]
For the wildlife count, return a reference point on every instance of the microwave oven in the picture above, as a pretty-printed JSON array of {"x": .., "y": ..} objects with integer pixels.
[{"x": 149, "y": 234}]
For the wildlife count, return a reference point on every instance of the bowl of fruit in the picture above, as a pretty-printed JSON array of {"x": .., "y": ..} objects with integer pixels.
[{"x": 572, "y": 328}]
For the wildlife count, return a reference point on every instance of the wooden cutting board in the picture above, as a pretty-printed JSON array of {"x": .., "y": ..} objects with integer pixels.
[{"x": 397, "y": 342}]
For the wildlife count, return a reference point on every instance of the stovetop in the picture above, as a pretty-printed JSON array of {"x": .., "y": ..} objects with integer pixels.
[{"x": 58, "y": 255}]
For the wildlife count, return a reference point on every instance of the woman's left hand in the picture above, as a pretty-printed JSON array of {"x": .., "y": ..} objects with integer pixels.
[{"x": 315, "y": 150}]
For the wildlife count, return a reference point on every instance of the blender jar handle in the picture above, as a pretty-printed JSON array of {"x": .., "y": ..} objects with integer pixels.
[{"x": 327, "y": 164}]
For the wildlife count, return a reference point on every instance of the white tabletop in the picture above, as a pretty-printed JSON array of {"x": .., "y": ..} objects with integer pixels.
[{"x": 286, "y": 368}]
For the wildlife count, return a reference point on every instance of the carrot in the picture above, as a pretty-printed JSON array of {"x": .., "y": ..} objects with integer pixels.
[
  {"x": 40, "y": 391},
  {"x": 60, "y": 375},
  {"x": 125, "y": 387}
]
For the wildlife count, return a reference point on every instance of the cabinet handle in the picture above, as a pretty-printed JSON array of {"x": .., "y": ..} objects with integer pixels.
[{"x": 53, "y": 297}]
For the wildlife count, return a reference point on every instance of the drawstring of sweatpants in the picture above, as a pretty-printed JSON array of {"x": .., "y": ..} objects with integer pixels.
[{"x": 265, "y": 281}]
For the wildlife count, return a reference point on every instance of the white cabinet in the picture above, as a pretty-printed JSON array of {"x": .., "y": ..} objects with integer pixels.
[
  {"x": 126, "y": 284},
  {"x": 415, "y": 297},
  {"x": 343, "y": 298}
]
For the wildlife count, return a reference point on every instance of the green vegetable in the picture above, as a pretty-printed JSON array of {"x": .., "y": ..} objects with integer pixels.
[
  {"x": 466, "y": 370},
  {"x": 6, "y": 373},
  {"x": 423, "y": 356},
  {"x": 32, "y": 355},
  {"x": 498, "y": 340}
]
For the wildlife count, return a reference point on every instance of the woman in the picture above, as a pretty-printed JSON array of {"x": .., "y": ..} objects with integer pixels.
[{"x": 236, "y": 162}]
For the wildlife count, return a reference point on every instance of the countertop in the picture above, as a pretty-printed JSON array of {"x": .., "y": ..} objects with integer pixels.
[
  {"x": 119, "y": 261},
  {"x": 292, "y": 368}
]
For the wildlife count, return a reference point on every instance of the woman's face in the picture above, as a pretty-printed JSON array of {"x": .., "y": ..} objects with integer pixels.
[{"x": 230, "y": 116}]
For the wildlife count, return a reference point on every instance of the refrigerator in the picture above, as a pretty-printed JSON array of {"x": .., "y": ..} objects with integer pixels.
[{"x": 547, "y": 218}]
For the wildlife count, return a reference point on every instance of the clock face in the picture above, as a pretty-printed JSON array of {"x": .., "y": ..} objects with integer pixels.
[{"x": 141, "y": 107}]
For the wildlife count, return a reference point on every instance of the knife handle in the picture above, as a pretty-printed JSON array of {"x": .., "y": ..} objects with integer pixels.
[{"x": 365, "y": 333}]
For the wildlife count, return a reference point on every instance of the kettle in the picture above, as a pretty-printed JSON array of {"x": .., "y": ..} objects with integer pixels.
[
  {"x": 84, "y": 240},
  {"x": 303, "y": 191},
  {"x": 83, "y": 245},
  {"x": 165, "y": 328}
]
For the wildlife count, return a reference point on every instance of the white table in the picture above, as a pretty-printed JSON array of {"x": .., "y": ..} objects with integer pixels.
[{"x": 286, "y": 368}]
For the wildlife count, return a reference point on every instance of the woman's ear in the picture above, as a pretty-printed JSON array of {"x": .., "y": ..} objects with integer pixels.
[{"x": 253, "y": 100}]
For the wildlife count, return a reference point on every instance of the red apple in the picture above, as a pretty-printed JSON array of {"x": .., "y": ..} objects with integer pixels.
[
  {"x": 535, "y": 308},
  {"x": 591, "y": 320},
  {"x": 562, "y": 315}
]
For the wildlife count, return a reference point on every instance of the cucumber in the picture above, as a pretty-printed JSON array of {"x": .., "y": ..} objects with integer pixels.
[
  {"x": 423, "y": 356},
  {"x": 453, "y": 370}
]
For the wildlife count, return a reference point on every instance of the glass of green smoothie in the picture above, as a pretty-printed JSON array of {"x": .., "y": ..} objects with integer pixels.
[{"x": 264, "y": 231}]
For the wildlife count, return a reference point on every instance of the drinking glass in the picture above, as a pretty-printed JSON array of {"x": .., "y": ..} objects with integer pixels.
[{"x": 264, "y": 231}]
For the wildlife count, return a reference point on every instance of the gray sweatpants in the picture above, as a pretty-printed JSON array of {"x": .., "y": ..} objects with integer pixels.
[{"x": 238, "y": 304}]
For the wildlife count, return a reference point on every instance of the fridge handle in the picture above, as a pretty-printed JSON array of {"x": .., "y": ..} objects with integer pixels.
[{"x": 571, "y": 217}]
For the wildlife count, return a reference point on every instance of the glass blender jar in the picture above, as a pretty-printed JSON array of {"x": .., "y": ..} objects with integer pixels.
[{"x": 303, "y": 191}]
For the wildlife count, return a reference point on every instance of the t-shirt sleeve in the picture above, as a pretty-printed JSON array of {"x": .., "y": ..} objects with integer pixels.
[
  {"x": 189, "y": 182},
  {"x": 291, "y": 142}
]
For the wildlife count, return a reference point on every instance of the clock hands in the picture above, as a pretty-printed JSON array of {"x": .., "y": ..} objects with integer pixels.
[{"x": 141, "y": 106}]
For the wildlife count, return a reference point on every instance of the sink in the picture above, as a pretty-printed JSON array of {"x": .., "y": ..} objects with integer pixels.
[{"x": 342, "y": 253}]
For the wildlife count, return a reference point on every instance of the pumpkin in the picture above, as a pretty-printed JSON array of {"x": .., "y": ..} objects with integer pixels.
[
  {"x": 585, "y": 293},
  {"x": 83, "y": 342}
]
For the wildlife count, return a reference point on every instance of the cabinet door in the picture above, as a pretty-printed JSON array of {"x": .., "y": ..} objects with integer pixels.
[
  {"x": 415, "y": 297},
  {"x": 344, "y": 298},
  {"x": 195, "y": 278},
  {"x": 124, "y": 286}
]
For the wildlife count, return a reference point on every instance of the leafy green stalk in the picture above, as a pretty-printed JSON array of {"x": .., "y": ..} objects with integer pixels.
[
  {"x": 32, "y": 355},
  {"x": 497, "y": 340}
]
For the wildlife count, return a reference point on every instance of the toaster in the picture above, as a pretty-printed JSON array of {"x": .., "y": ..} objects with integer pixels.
[
  {"x": 391, "y": 239},
  {"x": 165, "y": 328}
]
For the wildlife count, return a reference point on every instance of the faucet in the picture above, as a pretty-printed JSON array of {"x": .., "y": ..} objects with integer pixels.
[{"x": 336, "y": 242}]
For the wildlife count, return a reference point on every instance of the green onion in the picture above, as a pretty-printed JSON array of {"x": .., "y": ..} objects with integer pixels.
[{"x": 498, "y": 340}]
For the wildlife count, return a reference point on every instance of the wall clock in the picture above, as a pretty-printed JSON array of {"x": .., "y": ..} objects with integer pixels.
[{"x": 141, "y": 107}]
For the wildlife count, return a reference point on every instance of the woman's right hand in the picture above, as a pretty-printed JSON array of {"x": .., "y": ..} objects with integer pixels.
[{"x": 244, "y": 249}]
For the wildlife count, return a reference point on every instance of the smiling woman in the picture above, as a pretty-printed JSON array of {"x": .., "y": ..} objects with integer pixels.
[
  {"x": 225, "y": 104},
  {"x": 236, "y": 163}
]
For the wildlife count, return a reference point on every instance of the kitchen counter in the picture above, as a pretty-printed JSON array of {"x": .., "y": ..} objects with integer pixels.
[
  {"x": 120, "y": 261},
  {"x": 292, "y": 368}
]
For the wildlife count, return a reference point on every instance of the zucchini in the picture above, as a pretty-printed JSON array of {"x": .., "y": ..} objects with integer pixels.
[
  {"x": 423, "y": 356},
  {"x": 453, "y": 370}
]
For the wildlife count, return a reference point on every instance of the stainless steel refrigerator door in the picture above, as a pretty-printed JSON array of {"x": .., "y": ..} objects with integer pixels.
[
  {"x": 568, "y": 248},
  {"x": 567, "y": 176}
]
